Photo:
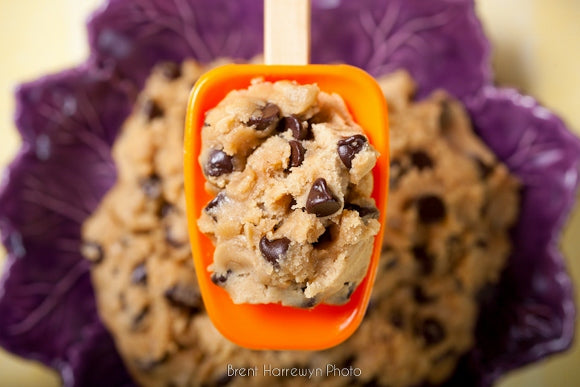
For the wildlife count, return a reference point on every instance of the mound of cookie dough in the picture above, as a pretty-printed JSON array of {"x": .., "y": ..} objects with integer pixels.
[
  {"x": 451, "y": 205},
  {"x": 292, "y": 221}
]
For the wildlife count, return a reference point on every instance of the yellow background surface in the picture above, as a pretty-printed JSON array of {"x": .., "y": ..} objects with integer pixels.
[{"x": 536, "y": 48}]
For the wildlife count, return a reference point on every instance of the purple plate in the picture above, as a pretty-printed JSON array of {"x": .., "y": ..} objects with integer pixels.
[{"x": 69, "y": 121}]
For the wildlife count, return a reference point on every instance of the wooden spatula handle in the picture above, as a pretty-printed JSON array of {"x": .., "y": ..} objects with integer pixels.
[{"x": 287, "y": 32}]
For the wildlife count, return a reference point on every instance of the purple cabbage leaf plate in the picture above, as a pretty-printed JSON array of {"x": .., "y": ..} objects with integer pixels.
[{"x": 69, "y": 121}]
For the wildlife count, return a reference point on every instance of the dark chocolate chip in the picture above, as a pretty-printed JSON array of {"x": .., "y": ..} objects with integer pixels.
[
  {"x": 151, "y": 186},
  {"x": 152, "y": 110},
  {"x": 165, "y": 209},
  {"x": 445, "y": 118},
  {"x": 223, "y": 380},
  {"x": 349, "y": 147},
  {"x": 184, "y": 296},
  {"x": 348, "y": 362},
  {"x": 431, "y": 330},
  {"x": 351, "y": 288},
  {"x": 218, "y": 279},
  {"x": 396, "y": 172},
  {"x": 424, "y": 259},
  {"x": 421, "y": 160},
  {"x": 138, "y": 319},
  {"x": 215, "y": 202},
  {"x": 371, "y": 307},
  {"x": 171, "y": 70},
  {"x": 219, "y": 163},
  {"x": 448, "y": 354},
  {"x": 396, "y": 318},
  {"x": 269, "y": 116},
  {"x": 206, "y": 124},
  {"x": 172, "y": 240},
  {"x": 296, "y": 153},
  {"x": 299, "y": 131},
  {"x": 321, "y": 200},
  {"x": 420, "y": 296},
  {"x": 93, "y": 252},
  {"x": 371, "y": 212},
  {"x": 148, "y": 365},
  {"x": 391, "y": 263},
  {"x": 309, "y": 303},
  {"x": 325, "y": 238},
  {"x": 484, "y": 169},
  {"x": 385, "y": 249},
  {"x": 481, "y": 243},
  {"x": 139, "y": 274},
  {"x": 274, "y": 250},
  {"x": 455, "y": 250},
  {"x": 487, "y": 294},
  {"x": 431, "y": 209}
]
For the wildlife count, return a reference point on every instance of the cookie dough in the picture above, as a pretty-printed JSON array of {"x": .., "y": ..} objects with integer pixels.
[
  {"x": 451, "y": 205},
  {"x": 292, "y": 219}
]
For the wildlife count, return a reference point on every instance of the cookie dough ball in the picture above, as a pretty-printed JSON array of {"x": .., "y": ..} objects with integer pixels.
[{"x": 292, "y": 220}]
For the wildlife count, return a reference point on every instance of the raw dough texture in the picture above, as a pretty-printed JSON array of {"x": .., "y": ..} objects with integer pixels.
[
  {"x": 292, "y": 221},
  {"x": 451, "y": 205}
]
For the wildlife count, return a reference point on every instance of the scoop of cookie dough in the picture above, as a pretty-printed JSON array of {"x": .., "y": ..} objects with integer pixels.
[{"x": 292, "y": 219}]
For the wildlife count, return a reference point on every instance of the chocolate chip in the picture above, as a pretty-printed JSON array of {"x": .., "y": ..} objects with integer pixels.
[
  {"x": 93, "y": 252},
  {"x": 421, "y": 160},
  {"x": 151, "y": 186},
  {"x": 309, "y": 302},
  {"x": 371, "y": 212},
  {"x": 321, "y": 200},
  {"x": 431, "y": 209},
  {"x": 420, "y": 296},
  {"x": 152, "y": 110},
  {"x": 218, "y": 279},
  {"x": 445, "y": 117},
  {"x": 348, "y": 362},
  {"x": 431, "y": 330},
  {"x": 487, "y": 294},
  {"x": 325, "y": 238},
  {"x": 274, "y": 250},
  {"x": 269, "y": 116},
  {"x": 484, "y": 169},
  {"x": 396, "y": 172},
  {"x": 299, "y": 132},
  {"x": 215, "y": 202},
  {"x": 424, "y": 259},
  {"x": 172, "y": 240},
  {"x": 454, "y": 248},
  {"x": 219, "y": 163},
  {"x": 223, "y": 380},
  {"x": 296, "y": 153},
  {"x": 184, "y": 296},
  {"x": 139, "y": 274},
  {"x": 391, "y": 263},
  {"x": 165, "y": 209},
  {"x": 448, "y": 354},
  {"x": 396, "y": 318},
  {"x": 138, "y": 319},
  {"x": 349, "y": 147},
  {"x": 148, "y": 365},
  {"x": 481, "y": 243},
  {"x": 351, "y": 287},
  {"x": 171, "y": 70}
]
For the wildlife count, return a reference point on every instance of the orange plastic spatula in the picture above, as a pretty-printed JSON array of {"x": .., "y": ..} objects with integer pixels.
[{"x": 272, "y": 326}]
